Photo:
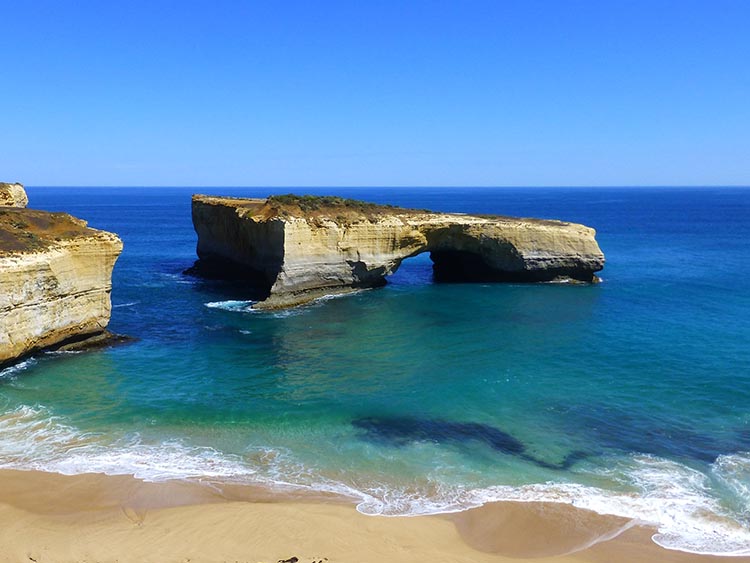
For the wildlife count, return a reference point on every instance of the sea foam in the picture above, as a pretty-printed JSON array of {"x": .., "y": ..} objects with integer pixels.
[
  {"x": 672, "y": 497},
  {"x": 669, "y": 496},
  {"x": 129, "y": 304},
  {"x": 13, "y": 370},
  {"x": 235, "y": 306},
  {"x": 32, "y": 438}
]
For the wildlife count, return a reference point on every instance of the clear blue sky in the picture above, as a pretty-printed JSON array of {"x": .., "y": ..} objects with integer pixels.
[{"x": 375, "y": 93}]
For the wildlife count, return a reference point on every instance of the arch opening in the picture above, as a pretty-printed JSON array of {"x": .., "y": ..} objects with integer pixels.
[{"x": 446, "y": 266}]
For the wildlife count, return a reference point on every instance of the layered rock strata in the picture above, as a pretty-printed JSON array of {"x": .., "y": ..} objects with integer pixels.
[
  {"x": 55, "y": 281},
  {"x": 299, "y": 248}
]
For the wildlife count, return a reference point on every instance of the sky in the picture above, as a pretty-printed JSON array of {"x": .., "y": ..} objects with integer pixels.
[{"x": 379, "y": 93}]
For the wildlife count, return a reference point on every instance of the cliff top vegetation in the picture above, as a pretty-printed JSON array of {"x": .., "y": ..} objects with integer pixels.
[
  {"x": 30, "y": 230},
  {"x": 336, "y": 207}
]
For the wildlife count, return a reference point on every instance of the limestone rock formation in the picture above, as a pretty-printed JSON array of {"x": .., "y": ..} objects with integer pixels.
[
  {"x": 299, "y": 248},
  {"x": 55, "y": 280},
  {"x": 13, "y": 195}
]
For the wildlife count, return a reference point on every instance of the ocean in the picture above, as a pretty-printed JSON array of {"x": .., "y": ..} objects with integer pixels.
[{"x": 629, "y": 397}]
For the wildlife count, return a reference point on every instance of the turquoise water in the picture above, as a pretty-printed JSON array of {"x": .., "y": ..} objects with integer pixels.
[{"x": 629, "y": 397}]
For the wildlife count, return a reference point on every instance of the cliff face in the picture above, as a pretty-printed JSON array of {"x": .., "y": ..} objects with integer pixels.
[
  {"x": 55, "y": 280},
  {"x": 302, "y": 248}
]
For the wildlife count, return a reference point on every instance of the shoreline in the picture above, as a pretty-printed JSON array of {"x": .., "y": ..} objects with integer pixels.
[{"x": 49, "y": 517}]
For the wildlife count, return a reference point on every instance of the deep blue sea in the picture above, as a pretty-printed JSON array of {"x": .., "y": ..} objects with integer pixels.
[{"x": 629, "y": 397}]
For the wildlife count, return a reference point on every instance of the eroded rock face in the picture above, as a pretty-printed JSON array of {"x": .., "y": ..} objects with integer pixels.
[
  {"x": 55, "y": 280},
  {"x": 302, "y": 248},
  {"x": 13, "y": 195}
]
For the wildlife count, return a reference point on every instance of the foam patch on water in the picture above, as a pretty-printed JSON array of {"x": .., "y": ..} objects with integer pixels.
[
  {"x": 340, "y": 295},
  {"x": 678, "y": 501},
  {"x": 32, "y": 438},
  {"x": 563, "y": 280},
  {"x": 234, "y": 306},
  {"x": 247, "y": 306},
  {"x": 178, "y": 278},
  {"x": 12, "y": 371},
  {"x": 28, "y": 435},
  {"x": 733, "y": 471},
  {"x": 165, "y": 461}
]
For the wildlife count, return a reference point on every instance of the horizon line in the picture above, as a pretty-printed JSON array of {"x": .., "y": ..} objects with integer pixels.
[{"x": 372, "y": 186}]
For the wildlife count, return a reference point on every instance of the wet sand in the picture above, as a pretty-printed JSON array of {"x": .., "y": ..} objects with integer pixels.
[{"x": 47, "y": 518}]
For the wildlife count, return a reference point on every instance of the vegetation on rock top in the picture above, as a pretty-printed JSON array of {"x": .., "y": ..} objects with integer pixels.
[
  {"x": 316, "y": 202},
  {"x": 339, "y": 208},
  {"x": 27, "y": 230}
]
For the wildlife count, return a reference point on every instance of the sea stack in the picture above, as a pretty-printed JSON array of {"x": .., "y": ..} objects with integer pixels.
[
  {"x": 298, "y": 248},
  {"x": 55, "y": 278}
]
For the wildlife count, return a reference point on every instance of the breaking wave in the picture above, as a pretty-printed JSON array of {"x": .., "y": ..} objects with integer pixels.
[
  {"x": 675, "y": 499},
  {"x": 13, "y": 370},
  {"x": 235, "y": 306}
]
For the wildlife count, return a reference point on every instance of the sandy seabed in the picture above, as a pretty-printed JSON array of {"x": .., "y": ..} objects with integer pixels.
[{"x": 50, "y": 518}]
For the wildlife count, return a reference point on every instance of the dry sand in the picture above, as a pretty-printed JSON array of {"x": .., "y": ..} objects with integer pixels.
[{"x": 94, "y": 518}]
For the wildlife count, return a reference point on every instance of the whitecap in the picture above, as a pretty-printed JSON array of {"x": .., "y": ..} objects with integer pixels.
[{"x": 130, "y": 304}]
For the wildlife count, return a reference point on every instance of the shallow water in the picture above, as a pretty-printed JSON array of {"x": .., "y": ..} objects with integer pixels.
[{"x": 629, "y": 397}]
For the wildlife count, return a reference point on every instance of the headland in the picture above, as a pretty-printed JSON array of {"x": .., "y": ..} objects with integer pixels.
[{"x": 55, "y": 279}]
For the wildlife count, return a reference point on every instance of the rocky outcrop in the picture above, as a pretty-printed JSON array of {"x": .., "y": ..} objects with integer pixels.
[
  {"x": 299, "y": 248},
  {"x": 55, "y": 281},
  {"x": 13, "y": 195}
]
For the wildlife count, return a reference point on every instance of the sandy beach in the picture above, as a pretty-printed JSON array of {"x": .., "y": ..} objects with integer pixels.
[{"x": 96, "y": 518}]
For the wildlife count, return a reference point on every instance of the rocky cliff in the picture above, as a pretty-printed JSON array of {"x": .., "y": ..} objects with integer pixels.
[
  {"x": 13, "y": 195},
  {"x": 299, "y": 248},
  {"x": 55, "y": 280}
]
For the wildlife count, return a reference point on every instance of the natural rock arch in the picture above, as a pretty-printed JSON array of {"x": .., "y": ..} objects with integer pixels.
[{"x": 299, "y": 254}]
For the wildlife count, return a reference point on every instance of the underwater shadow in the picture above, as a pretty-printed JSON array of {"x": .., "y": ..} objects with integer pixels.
[
  {"x": 401, "y": 431},
  {"x": 612, "y": 428}
]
